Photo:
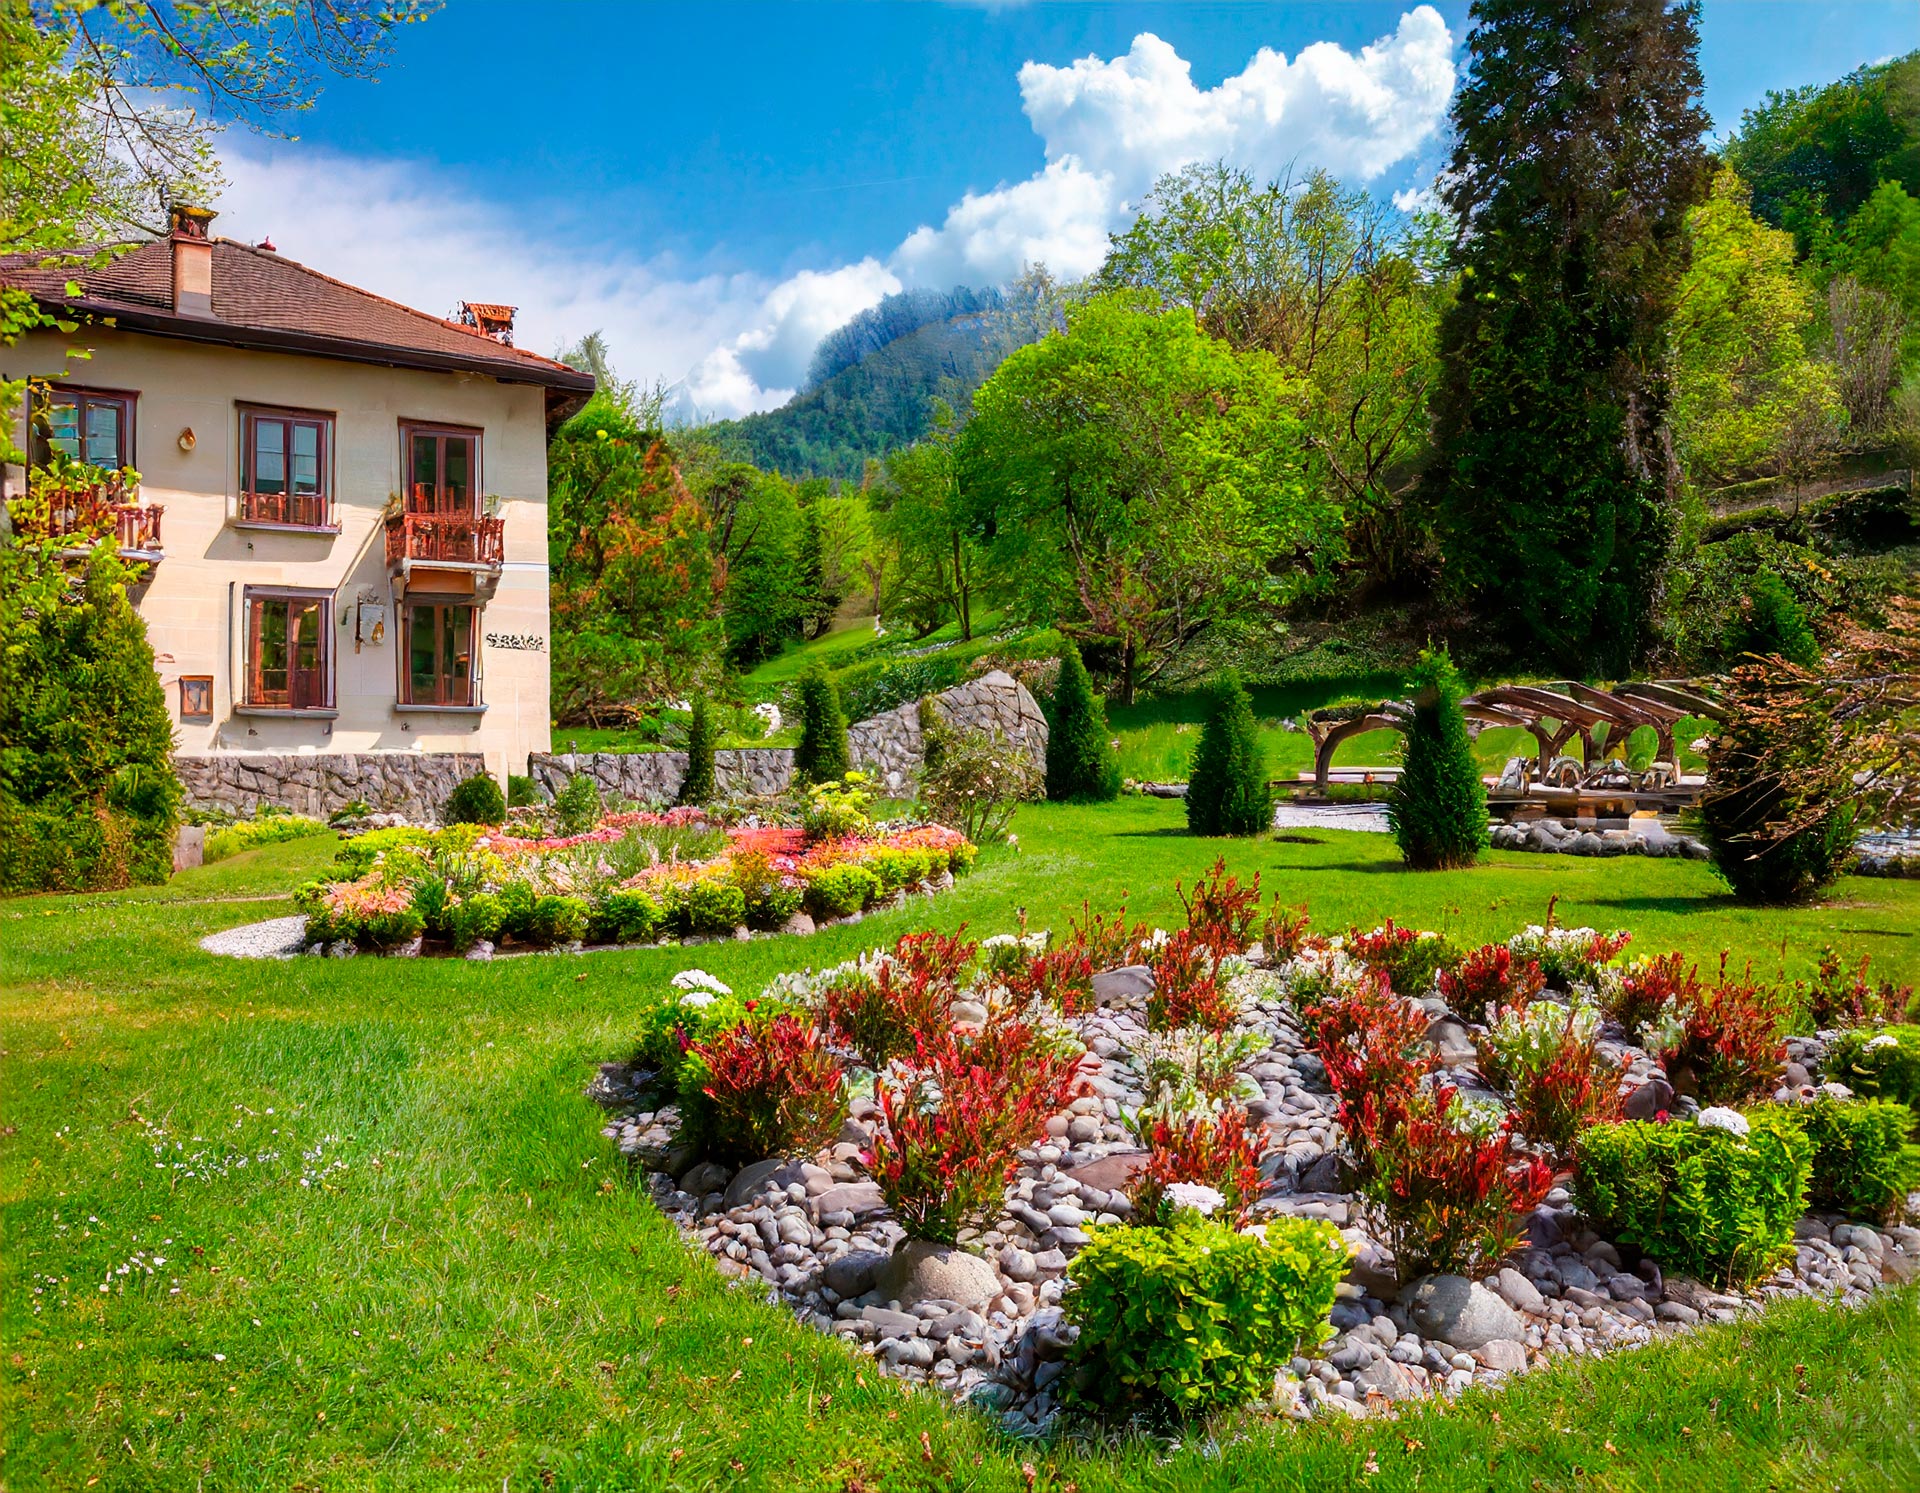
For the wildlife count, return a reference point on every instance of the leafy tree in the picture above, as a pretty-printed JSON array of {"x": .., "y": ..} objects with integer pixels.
[
  {"x": 1744, "y": 382},
  {"x": 635, "y": 584},
  {"x": 1227, "y": 792},
  {"x": 1141, "y": 482},
  {"x": 822, "y": 755},
  {"x": 1815, "y": 155},
  {"x": 1578, "y": 152},
  {"x": 1438, "y": 805},
  {"x": 1310, "y": 272},
  {"x": 937, "y": 559},
  {"x": 1081, "y": 764},
  {"x": 697, "y": 786},
  {"x": 1770, "y": 622},
  {"x": 754, "y": 528}
]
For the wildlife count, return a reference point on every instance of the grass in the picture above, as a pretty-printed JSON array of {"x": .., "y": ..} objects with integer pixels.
[{"x": 471, "y": 1291}]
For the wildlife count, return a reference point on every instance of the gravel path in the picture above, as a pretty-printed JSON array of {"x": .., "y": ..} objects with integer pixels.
[
  {"x": 1371, "y": 817},
  {"x": 276, "y": 938}
]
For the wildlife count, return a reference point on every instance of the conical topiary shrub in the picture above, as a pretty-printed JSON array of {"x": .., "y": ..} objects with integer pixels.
[
  {"x": 697, "y": 786},
  {"x": 1438, "y": 807},
  {"x": 1081, "y": 765},
  {"x": 821, "y": 756},
  {"x": 1227, "y": 791}
]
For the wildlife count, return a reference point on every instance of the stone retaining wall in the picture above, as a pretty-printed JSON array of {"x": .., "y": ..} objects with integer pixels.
[
  {"x": 888, "y": 745},
  {"x": 411, "y": 784}
]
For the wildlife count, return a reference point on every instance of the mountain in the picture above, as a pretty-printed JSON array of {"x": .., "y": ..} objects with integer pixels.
[{"x": 873, "y": 382}]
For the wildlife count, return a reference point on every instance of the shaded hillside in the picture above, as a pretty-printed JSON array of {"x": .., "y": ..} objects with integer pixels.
[{"x": 874, "y": 381}]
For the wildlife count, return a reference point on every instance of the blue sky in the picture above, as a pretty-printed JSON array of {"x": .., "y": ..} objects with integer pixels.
[{"x": 718, "y": 185}]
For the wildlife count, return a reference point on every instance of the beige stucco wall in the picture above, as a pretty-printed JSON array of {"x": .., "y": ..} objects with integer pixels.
[{"x": 192, "y": 601}]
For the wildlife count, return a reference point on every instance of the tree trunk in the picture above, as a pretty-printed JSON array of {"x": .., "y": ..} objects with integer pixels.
[
  {"x": 960, "y": 589},
  {"x": 1126, "y": 672}
]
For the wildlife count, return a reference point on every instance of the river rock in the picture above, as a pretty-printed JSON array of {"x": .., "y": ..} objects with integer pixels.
[
  {"x": 1459, "y": 1311},
  {"x": 922, "y": 1271}
]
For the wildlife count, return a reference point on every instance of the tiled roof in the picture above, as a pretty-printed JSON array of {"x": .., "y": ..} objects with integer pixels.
[{"x": 264, "y": 299}]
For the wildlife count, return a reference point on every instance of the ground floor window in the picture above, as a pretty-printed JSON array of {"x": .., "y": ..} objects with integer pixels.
[
  {"x": 289, "y": 652},
  {"x": 439, "y": 654}
]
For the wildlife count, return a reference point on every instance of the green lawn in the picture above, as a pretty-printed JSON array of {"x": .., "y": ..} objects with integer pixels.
[{"x": 398, "y": 1254}]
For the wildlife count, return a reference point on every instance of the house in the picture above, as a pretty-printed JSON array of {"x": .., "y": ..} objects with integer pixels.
[{"x": 340, "y": 509}]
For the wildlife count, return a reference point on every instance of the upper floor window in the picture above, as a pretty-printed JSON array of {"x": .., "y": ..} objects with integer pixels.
[
  {"x": 90, "y": 425},
  {"x": 289, "y": 649},
  {"x": 442, "y": 468},
  {"x": 286, "y": 468}
]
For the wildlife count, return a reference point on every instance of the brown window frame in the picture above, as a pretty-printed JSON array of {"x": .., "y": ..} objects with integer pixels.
[
  {"x": 49, "y": 392},
  {"x": 411, "y": 502},
  {"x": 474, "y": 698},
  {"x": 256, "y": 599},
  {"x": 258, "y": 508}
]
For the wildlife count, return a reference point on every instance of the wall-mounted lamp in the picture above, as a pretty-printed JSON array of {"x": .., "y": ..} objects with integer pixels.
[{"x": 188, "y": 440}]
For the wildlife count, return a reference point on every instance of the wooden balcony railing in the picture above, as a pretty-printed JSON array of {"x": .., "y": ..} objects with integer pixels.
[
  {"x": 87, "y": 514},
  {"x": 291, "y": 510},
  {"x": 447, "y": 539}
]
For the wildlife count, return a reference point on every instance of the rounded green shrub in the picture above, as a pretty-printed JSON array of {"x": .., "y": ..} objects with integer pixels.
[
  {"x": 475, "y": 919},
  {"x": 1082, "y": 766},
  {"x": 838, "y": 891},
  {"x": 821, "y": 756},
  {"x": 1770, "y": 621},
  {"x": 1863, "y": 1165},
  {"x": 522, "y": 791},
  {"x": 626, "y": 916},
  {"x": 697, "y": 786},
  {"x": 558, "y": 920},
  {"x": 1438, "y": 805},
  {"x": 475, "y": 800},
  {"x": 1698, "y": 1198},
  {"x": 1227, "y": 791},
  {"x": 1182, "y": 1319},
  {"x": 577, "y": 806},
  {"x": 1883, "y": 1064},
  {"x": 712, "y": 906}
]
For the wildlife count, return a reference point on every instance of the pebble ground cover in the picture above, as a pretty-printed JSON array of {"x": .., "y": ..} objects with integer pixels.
[{"x": 358, "y": 1228}]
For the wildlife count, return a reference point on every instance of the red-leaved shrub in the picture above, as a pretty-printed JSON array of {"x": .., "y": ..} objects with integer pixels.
[
  {"x": 1489, "y": 978},
  {"x": 1448, "y": 1195},
  {"x": 1649, "y": 984},
  {"x": 1724, "y": 1045},
  {"x": 954, "y": 1121},
  {"x": 1374, "y": 1046},
  {"x": 942, "y": 957},
  {"x": 1221, "y": 913},
  {"x": 1106, "y": 940},
  {"x": 1061, "y": 977},
  {"x": 1221, "y": 1151},
  {"x": 770, "y": 1088},
  {"x": 1188, "y": 989},
  {"x": 1284, "y": 933},
  {"x": 1841, "y": 997},
  {"x": 1547, "y": 1059},
  {"x": 1408, "y": 958},
  {"x": 880, "y": 1015}
]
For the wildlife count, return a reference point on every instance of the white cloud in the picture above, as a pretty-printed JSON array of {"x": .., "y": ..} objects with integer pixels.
[{"x": 734, "y": 342}]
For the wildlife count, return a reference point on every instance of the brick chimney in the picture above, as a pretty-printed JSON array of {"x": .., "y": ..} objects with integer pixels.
[{"x": 192, "y": 260}]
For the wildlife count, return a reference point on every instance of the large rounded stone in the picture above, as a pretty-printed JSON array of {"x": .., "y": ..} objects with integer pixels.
[
  {"x": 1459, "y": 1311},
  {"x": 758, "y": 1177},
  {"x": 920, "y": 1271}
]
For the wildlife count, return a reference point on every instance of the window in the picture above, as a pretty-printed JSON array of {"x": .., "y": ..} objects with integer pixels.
[
  {"x": 438, "y": 649},
  {"x": 442, "y": 468},
  {"x": 285, "y": 468},
  {"x": 289, "y": 650},
  {"x": 90, "y": 425}
]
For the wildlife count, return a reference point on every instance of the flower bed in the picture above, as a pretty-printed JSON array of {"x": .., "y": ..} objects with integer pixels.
[
  {"x": 1006, "y": 1108},
  {"x": 633, "y": 878}
]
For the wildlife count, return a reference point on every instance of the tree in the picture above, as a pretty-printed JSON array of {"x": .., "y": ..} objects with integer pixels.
[
  {"x": 1312, "y": 273},
  {"x": 1081, "y": 764},
  {"x": 1140, "y": 482},
  {"x": 1578, "y": 152},
  {"x": 822, "y": 755},
  {"x": 697, "y": 786},
  {"x": 1227, "y": 792},
  {"x": 1770, "y": 623},
  {"x": 754, "y": 529},
  {"x": 937, "y": 558},
  {"x": 1747, "y": 394},
  {"x": 634, "y": 581},
  {"x": 1438, "y": 805}
]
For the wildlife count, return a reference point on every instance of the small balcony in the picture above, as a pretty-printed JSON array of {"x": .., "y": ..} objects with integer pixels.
[
  {"x": 308, "y": 512},
  {"x": 458, "y": 541},
  {"x": 86, "y": 514}
]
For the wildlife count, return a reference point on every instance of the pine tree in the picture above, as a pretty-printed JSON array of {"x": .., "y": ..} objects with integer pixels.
[
  {"x": 697, "y": 786},
  {"x": 1578, "y": 153},
  {"x": 822, "y": 754},
  {"x": 1081, "y": 764},
  {"x": 1227, "y": 791},
  {"x": 1438, "y": 806}
]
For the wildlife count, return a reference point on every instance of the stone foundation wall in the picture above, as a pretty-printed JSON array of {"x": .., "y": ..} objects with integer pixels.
[
  {"x": 887, "y": 745},
  {"x": 411, "y": 784}
]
